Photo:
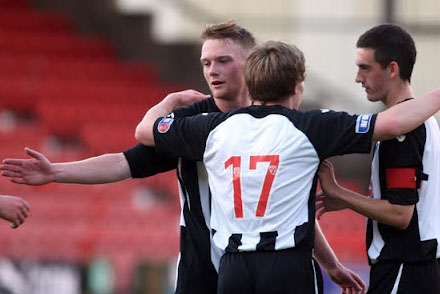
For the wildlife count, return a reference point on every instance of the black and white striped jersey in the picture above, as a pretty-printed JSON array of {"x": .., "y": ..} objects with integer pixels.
[
  {"x": 405, "y": 171},
  {"x": 198, "y": 259},
  {"x": 262, "y": 163}
]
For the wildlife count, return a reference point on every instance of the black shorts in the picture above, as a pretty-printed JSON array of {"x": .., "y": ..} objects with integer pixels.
[
  {"x": 286, "y": 271},
  {"x": 404, "y": 278}
]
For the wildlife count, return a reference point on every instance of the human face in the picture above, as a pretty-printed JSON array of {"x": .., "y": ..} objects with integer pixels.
[
  {"x": 374, "y": 79},
  {"x": 223, "y": 68}
]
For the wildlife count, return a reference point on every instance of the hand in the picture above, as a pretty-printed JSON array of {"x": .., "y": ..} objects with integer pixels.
[
  {"x": 324, "y": 201},
  {"x": 324, "y": 204},
  {"x": 33, "y": 171},
  {"x": 186, "y": 97},
  {"x": 326, "y": 174},
  {"x": 348, "y": 280},
  {"x": 13, "y": 209}
]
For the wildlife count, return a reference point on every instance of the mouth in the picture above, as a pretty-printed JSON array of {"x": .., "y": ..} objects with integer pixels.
[{"x": 216, "y": 84}]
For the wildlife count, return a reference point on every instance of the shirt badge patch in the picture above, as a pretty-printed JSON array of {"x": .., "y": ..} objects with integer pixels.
[
  {"x": 165, "y": 124},
  {"x": 401, "y": 138},
  {"x": 363, "y": 123}
]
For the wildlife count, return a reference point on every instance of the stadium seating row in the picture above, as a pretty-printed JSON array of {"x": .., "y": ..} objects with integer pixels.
[
  {"x": 23, "y": 94},
  {"x": 54, "y": 44},
  {"x": 74, "y": 68},
  {"x": 24, "y": 20}
]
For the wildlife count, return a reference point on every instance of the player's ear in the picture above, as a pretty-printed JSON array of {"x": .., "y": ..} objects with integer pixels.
[{"x": 394, "y": 69}]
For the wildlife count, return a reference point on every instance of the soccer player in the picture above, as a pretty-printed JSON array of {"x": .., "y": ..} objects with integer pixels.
[
  {"x": 14, "y": 209},
  {"x": 403, "y": 228},
  {"x": 223, "y": 55},
  {"x": 262, "y": 164}
]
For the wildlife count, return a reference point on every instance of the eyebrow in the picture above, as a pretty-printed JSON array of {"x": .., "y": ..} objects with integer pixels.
[
  {"x": 363, "y": 65},
  {"x": 218, "y": 57}
]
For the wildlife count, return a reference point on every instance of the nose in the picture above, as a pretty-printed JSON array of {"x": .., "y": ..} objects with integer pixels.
[
  {"x": 359, "y": 78},
  {"x": 213, "y": 70}
]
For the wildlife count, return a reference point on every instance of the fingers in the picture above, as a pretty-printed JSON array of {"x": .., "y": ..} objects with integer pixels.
[
  {"x": 22, "y": 213},
  {"x": 320, "y": 196},
  {"x": 33, "y": 153},
  {"x": 10, "y": 174},
  {"x": 195, "y": 92},
  {"x": 12, "y": 161},
  {"x": 325, "y": 165},
  {"x": 19, "y": 161},
  {"x": 26, "y": 206},
  {"x": 19, "y": 180},
  {"x": 361, "y": 283},
  {"x": 11, "y": 168},
  {"x": 320, "y": 212}
]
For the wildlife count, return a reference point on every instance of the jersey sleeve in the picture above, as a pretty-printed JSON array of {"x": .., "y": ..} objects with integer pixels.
[
  {"x": 184, "y": 137},
  {"x": 144, "y": 161},
  {"x": 337, "y": 133},
  {"x": 204, "y": 106},
  {"x": 402, "y": 160}
]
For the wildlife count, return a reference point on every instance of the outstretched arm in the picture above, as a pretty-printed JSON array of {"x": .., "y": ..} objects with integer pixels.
[
  {"x": 144, "y": 130},
  {"x": 349, "y": 281},
  {"x": 13, "y": 209},
  {"x": 38, "y": 170},
  {"x": 404, "y": 117},
  {"x": 381, "y": 210}
]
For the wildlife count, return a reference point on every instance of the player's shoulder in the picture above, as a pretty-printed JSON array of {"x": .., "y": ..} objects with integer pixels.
[{"x": 204, "y": 106}]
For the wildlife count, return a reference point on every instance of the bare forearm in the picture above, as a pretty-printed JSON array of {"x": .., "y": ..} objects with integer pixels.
[
  {"x": 380, "y": 210},
  {"x": 107, "y": 168},
  {"x": 404, "y": 117},
  {"x": 323, "y": 253}
]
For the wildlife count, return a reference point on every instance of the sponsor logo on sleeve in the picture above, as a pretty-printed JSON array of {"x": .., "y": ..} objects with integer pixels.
[
  {"x": 363, "y": 123},
  {"x": 165, "y": 124}
]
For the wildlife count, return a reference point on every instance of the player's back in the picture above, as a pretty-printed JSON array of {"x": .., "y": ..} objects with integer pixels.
[{"x": 270, "y": 165}]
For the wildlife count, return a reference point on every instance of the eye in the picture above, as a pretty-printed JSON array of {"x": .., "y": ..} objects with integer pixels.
[
  {"x": 364, "y": 68},
  {"x": 223, "y": 59}
]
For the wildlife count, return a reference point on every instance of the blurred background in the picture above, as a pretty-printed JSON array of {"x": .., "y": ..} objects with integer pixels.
[{"x": 77, "y": 76}]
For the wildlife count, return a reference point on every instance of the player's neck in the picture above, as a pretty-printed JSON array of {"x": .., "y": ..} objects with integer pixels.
[
  {"x": 226, "y": 105},
  {"x": 284, "y": 102},
  {"x": 398, "y": 94},
  {"x": 291, "y": 102}
]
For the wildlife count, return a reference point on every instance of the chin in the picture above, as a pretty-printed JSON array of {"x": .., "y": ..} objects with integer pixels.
[
  {"x": 220, "y": 95},
  {"x": 372, "y": 98}
]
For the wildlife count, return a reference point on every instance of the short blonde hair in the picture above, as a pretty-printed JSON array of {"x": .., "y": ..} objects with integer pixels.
[
  {"x": 229, "y": 30},
  {"x": 273, "y": 69}
]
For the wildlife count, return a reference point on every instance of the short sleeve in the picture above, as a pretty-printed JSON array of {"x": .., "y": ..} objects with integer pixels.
[
  {"x": 402, "y": 161},
  {"x": 336, "y": 133},
  {"x": 205, "y": 106},
  {"x": 184, "y": 137},
  {"x": 144, "y": 161}
]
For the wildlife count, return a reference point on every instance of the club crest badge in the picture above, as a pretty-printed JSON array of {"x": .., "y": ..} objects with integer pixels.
[{"x": 165, "y": 124}]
